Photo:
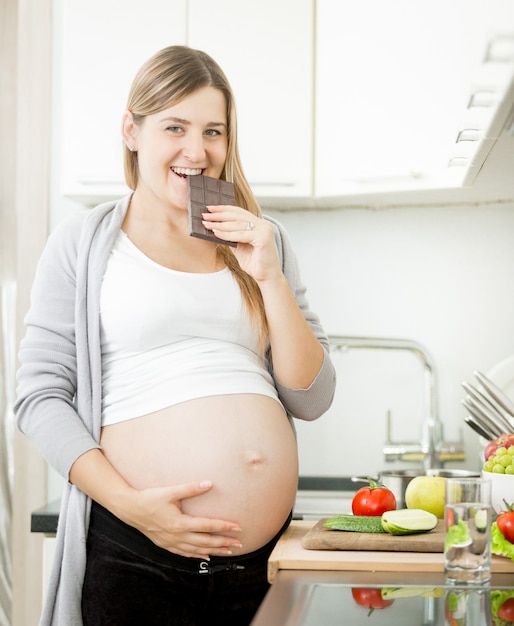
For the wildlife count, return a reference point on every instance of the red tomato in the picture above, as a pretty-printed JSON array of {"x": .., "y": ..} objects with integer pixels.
[
  {"x": 505, "y": 523},
  {"x": 506, "y": 611},
  {"x": 373, "y": 500},
  {"x": 370, "y": 598}
]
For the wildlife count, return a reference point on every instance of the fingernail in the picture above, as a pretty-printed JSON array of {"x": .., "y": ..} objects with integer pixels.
[{"x": 205, "y": 484}]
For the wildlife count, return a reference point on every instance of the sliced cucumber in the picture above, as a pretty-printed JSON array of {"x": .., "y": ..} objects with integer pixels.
[
  {"x": 411, "y": 592},
  {"x": 408, "y": 521},
  {"x": 355, "y": 523}
]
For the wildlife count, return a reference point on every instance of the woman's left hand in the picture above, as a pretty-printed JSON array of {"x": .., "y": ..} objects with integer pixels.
[{"x": 255, "y": 250}]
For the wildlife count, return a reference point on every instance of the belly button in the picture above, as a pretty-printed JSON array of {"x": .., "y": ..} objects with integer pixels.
[{"x": 254, "y": 458}]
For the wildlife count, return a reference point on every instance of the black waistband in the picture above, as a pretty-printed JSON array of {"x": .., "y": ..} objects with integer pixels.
[{"x": 105, "y": 523}]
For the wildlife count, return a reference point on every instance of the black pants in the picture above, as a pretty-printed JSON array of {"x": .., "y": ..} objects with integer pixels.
[{"x": 129, "y": 581}]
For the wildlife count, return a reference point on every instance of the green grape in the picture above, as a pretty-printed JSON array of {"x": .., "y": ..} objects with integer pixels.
[
  {"x": 498, "y": 468},
  {"x": 488, "y": 466},
  {"x": 501, "y": 451},
  {"x": 505, "y": 460},
  {"x": 509, "y": 469},
  {"x": 510, "y": 450}
]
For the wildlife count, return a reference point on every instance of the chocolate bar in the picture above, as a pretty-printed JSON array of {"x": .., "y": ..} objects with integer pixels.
[{"x": 203, "y": 191}]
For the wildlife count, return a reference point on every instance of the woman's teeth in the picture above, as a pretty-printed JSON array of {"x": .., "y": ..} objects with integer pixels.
[{"x": 186, "y": 171}]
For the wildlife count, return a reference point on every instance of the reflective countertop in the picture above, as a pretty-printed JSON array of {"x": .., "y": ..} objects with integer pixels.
[{"x": 328, "y": 598}]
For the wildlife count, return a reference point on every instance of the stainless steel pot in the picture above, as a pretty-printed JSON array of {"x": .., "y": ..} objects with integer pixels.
[{"x": 397, "y": 480}]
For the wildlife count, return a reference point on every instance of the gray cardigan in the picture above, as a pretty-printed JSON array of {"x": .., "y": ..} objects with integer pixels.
[{"x": 58, "y": 403}]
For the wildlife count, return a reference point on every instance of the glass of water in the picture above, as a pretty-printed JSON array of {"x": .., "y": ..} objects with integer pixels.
[{"x": 467, "y": 537}]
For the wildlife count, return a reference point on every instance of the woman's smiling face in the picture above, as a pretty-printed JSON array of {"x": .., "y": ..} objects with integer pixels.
[{"x": 187, "y": 138}]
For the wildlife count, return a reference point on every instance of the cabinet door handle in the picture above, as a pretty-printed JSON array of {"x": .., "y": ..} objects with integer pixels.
[{"x": 271, "y": 183}]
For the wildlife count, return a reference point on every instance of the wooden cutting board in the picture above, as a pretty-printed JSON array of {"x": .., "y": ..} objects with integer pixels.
[
  {"x": 289, "y": 554},
  {"x": 319, "y": 538}
]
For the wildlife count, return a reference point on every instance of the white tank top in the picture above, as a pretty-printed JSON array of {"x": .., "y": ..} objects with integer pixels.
[{"x": 170, "y": 336}]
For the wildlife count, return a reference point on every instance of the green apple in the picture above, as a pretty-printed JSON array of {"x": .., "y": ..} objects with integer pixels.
[{"x": 427, "y": 493}]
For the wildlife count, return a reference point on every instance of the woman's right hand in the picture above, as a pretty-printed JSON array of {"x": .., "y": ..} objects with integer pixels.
[{"x": 157, "y": 513}]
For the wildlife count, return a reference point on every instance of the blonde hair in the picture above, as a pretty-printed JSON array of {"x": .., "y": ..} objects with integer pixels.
[{"x": 168, "y": 77}]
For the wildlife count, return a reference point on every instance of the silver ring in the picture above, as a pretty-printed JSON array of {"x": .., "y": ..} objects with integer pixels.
[{"x": 249, "y": 226}]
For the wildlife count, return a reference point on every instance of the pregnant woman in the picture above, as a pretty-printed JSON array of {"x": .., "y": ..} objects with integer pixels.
[{"x": 160, "y": 374}]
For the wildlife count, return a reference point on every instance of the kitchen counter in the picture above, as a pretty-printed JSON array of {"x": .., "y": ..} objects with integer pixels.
[
  {"x": 315, "y": 586},
  {"x": 44, "y": 520},
  {"x": 289, "y": 554}
]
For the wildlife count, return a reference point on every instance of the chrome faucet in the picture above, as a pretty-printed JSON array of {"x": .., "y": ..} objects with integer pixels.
[{"x": 431, "y": 450}]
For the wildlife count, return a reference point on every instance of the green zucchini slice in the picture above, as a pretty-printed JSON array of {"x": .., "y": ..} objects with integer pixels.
[{"x": 408, "y": 521}]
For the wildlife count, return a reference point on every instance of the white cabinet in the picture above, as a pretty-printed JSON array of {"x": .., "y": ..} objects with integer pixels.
[
  {"x": 266, "y": 50},
  {"x": 379, "y": 91},
  {"x": 393, "y": 82},
  {"x": 333, "y": 98},
  {"x": 99, "y": 46}
]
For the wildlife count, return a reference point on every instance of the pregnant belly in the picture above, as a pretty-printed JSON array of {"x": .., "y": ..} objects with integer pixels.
[{"x": 244, "y": 444}]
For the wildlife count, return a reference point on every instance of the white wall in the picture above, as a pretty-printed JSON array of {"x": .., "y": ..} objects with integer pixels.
[{"x": 440, "y": 276}]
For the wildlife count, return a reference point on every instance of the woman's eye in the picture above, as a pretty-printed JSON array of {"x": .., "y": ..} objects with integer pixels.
[
  {"x": 174, "y": 129},
  {"x": 212, "y": 132}
]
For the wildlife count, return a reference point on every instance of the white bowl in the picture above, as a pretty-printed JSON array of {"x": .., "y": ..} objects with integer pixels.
[{"x": 502, "y": 488}]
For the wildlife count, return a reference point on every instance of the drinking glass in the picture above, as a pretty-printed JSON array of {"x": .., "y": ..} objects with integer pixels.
[
  {"x": 467, "y": 605},
  {"x": 467, "y": 537}
]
